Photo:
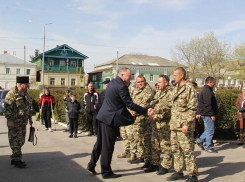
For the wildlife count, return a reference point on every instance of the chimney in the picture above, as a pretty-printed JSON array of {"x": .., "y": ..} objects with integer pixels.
[
  {"x": 57, "y": 45},
  {"x": 5, "y": 52}
]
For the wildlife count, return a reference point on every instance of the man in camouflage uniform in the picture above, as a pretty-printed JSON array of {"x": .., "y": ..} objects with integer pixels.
[
  {"x": 17, "y": 112},
  {"x": 184, "y": 106},
  {"x": 142, "y": 130},
  {"x": 127, "y": 132},
  {"x": 161, "y": 131}
]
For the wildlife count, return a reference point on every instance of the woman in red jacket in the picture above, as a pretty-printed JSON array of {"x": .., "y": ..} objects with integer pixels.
[{"x": 45, "y": 104}]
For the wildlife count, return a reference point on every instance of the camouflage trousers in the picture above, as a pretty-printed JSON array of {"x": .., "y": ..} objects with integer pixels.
[
  {"x": 141, "y": 143},
  {"x": 160, "y": 141},
  {"x": 16, "y": 141},
  {"x": 180, "y": 143},
  {"x": 126, "y": 133}
]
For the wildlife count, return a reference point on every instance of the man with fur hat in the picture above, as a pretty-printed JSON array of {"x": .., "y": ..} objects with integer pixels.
[{"x": 17, "y": 112}]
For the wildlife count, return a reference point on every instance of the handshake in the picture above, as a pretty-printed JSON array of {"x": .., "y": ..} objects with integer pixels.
[{"x": 150, "y": 112}]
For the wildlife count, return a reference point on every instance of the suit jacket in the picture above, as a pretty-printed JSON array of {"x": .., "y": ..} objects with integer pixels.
[{"x": 116, "y": 101}]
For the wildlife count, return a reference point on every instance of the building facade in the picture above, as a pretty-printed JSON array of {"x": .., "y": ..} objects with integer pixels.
[
  {"x": 12, "y": 66},
  {"x": 148, "y": 66},
  {"x": 63, "y": 67}
]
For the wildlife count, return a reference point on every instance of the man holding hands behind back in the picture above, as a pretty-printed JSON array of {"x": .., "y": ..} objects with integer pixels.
[{"x": 111, "y": 116}]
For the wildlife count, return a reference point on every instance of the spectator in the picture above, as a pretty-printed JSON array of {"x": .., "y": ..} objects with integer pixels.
[
  {"x": 208, "y": 110},
  {"x": 45, "y": 103},
  {"x": 67, "y": 99},
  {"x": 240, "y": 118},
  {"x": 198, "y": 116},
  {"x": 89, "y": 101},
  {"x": 40, "y": 95},
  {"x": 73, "y": 108}
]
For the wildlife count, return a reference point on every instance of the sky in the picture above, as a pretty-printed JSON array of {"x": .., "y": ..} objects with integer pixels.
[{"x": 100, "y": 28}]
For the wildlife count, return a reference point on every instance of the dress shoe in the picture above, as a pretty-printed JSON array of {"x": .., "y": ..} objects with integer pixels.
[
  {"x": 70, "y": 136},
  {"x": 126, "y": 154},
  {"x": 91, "y": 169},
  {"x": 152, "y": 168},
  {"x": 175, "y": 176},
  {"x": 192, "y": 179},
  {"x": 111, "y": 176},
  {"x": 146, "y": 165},
  {"x": 75, "y": 136},
  {"x": 162, "y": 170}
]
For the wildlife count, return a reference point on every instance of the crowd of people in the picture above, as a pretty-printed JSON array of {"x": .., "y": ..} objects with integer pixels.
[{"x": 150, "y": 124}]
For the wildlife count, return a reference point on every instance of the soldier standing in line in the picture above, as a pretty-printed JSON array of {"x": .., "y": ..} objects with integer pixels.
[
  {"x": 161, "y": 131},
  {"x": 142, "y": 130},
  {"x": 126, "y": 132},
  {"x": 17, "y": 112},
  {"x": 183, "y": 111}
]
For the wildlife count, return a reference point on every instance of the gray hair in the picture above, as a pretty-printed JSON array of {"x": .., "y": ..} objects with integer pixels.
[{"x": 123, "y": 70}]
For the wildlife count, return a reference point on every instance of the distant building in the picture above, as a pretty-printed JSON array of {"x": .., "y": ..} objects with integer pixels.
[
  {"x": 12, "y": 66},
  {"x": 148, "y": 66},
  {"x": 56, "y": 62}
]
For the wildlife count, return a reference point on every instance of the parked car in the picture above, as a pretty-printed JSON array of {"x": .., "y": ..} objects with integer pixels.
[{"x": 2, "y": 99}]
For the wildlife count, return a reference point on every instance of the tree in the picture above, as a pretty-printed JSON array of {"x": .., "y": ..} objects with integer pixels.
[
  {"x": 238, "y": 63},
  {"x": 36, "y": 53},
  {"x": 203, "y": 56}
]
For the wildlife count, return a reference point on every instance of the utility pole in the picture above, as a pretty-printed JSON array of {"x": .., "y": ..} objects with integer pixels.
[
  {"x": 67, "y": 65},
  {"x": 117, "y": 64}
]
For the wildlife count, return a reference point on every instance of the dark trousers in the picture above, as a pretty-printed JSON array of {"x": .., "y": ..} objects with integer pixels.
[
  {"x": 73, "y": 125},
  {"x": 104, "y": 146},
  {"x": 47, "y": 116},
  {"x": 92, "y": 120}
]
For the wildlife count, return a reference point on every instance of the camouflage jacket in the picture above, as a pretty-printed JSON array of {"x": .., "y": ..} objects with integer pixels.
[
  {"x": 17, "y": 107},
  {"x": 183, "y": 107},
  {"x": 143, "y": 97},
  {"x": 131, "y": 89},
  {"x": 162, "y": 110}
]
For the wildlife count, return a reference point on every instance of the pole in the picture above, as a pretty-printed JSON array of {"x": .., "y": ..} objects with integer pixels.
[
  {"x": 67, "y": 65},
  {"x": 43, "y": 59},
  {"x": 117, "y": 64},
  {"x": 24, "y": 60}
]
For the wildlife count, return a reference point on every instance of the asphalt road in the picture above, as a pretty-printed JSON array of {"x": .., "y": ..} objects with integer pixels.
[{"x": 60, "y": 158}]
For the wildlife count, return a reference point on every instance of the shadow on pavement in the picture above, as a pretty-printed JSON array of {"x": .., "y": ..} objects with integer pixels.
[{"x": 50, "y": 166}]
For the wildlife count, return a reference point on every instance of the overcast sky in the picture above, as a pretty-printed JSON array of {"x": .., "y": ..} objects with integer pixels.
[{"x": 100, "y": 28}]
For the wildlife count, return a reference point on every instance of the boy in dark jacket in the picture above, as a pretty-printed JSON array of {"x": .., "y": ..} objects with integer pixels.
[{"x": 73, "y": 108}]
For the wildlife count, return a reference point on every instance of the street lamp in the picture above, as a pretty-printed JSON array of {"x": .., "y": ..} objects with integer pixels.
[{"x": 43, "y": 50}]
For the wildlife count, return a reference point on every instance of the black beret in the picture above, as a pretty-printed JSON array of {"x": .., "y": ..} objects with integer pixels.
[
  {"x": 22, "y": 79},
  {"x": 194, "y": 84}
]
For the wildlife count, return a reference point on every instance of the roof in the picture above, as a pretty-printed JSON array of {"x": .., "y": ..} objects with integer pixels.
[
  {"x": 140, "y": 60},
  {"x": 64, "y": 47},
  {"x": 100, "y": 70},
  {"x": 11, "y": 59}
]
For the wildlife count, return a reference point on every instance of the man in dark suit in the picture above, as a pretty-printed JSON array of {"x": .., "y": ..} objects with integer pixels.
[{"x": 111, "y": 116}]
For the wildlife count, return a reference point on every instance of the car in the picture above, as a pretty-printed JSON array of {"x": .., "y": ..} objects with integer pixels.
[{"x": 2, "y": 99}]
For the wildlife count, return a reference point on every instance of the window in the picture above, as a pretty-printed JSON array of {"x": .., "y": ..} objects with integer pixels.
[
  {"x": 133, "y": 77},
  {"x": 7, "y": 70},
  {"x": 203, "y": 81},
  {"x": 73, "y": 81},
  {"x": 235, "y": 83},
  {"x": 28, "y": 71},
  {"x": 62, "y": 81},
  {"x": 93, "y": 77},
  {"x": 229, "y": 81},
  {"x": 73, "y": 64},
  {"x": 51, "y": 63},
  {"x": 52, "y": 81},
  {"x": 151, "y": 78},
  {"x": 17, "y": 71},
  {"x": 62, "y": 63}
]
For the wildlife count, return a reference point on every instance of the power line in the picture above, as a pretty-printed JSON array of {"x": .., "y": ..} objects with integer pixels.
[{"x": 88, "y": 44}]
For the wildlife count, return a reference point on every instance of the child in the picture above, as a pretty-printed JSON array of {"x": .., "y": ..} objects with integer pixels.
[{"x": 73, "y": 108}]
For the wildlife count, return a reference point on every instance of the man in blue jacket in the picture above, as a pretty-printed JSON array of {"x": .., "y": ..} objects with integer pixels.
[{"x": 111, "y": 116}]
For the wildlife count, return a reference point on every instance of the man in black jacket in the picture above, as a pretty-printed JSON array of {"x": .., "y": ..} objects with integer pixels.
[
  {"x": 101, "y": 96},
  {"x": 207, "y": 110},
  {"x": 89, "y": 101}
]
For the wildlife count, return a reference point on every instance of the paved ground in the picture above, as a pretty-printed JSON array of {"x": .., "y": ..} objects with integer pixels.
[{"x": 59, "y": 158}]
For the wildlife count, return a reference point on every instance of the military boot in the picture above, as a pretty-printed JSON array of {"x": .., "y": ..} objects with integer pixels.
[
  {"x": 126, "y": 154},
  {"x": 175, "y": 176},
  {"x": 152, "y": 168},
  {"x": 13, "y": 162},
  {"x": 192, "y": 179},
  {"x": 132, "y": 158},
  {"x": 162, "y": 170},
  {"x": 19, "y": 164},
  {"x": 146, "y": 165}
]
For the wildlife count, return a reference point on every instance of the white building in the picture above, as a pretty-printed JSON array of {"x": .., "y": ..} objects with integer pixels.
[{"x": 12, "y": 66}]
